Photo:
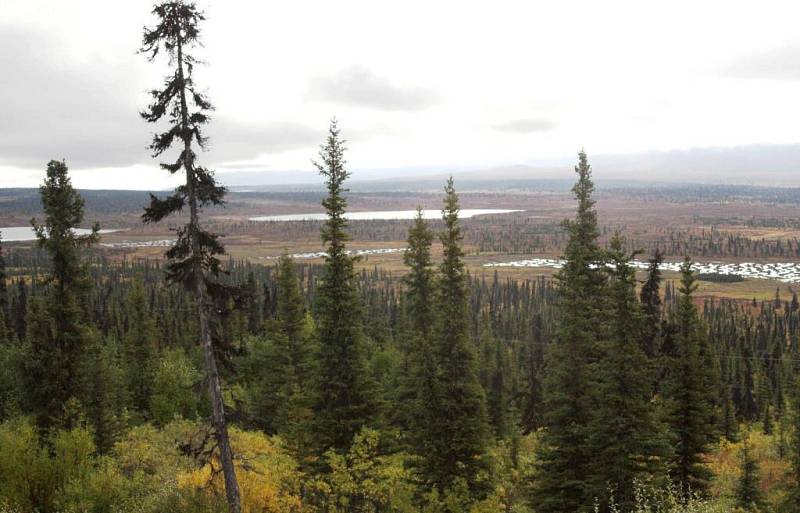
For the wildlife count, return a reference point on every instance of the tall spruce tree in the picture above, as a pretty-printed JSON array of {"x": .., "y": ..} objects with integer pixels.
[
  {"x": 20, "y": 310},
  {"x": 748, "y": 488},
  {"x": 729, "y": 424},
  {"x": 255, "y": 314},
  {"x": 193, "y": 259},
  {"x": 565, "y": 458},
  {"x": 688, "y": 399},
  {"x": 420, "y": 279},
  {"x": 532, "y": 363},
  {"x": 102, "y": 385},
  {"x": 5, "y": 317},
  {"x": 498, "y": 390},
  {"x": 344, "y": 401},
  {"x": 294, "y": 415},
  {"x": 282, "y": 360},
  {"x": 60, "y": 329},
  {"x": 650, "y": 297},
  {"x": 456, "y": 451},
  {"x": 629, "y": 444},
  {"x": 418, "y": 375},
  {"x": 290, "y": 304},
  {"x": 140, "y": 351}
]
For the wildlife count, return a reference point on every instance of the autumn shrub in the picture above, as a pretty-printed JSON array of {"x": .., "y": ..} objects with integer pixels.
[
  {"x": 268, "y": 478},
  {"x": 363, "y": 480},
  {"x": 725, "y": 463},
  {"x": 37, "y": 476},
  {"x": 173, "y": 394}
]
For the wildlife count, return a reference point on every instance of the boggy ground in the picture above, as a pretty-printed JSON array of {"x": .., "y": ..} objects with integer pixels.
[{"x": 710, "y": 226}]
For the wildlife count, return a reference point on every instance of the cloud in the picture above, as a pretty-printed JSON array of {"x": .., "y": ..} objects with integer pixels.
[
  {"x": 359, "y": 87},
  {"x": 57, "y": 108},
  {"x": 86, "y": 112},
  {"x": 775, "y": 64},
  {"x": 232, "y": 140},
  {"x": 526, "y": 126}
]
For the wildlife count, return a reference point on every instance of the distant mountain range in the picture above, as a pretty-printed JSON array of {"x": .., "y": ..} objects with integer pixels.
[{"x": 769, "y": 165}]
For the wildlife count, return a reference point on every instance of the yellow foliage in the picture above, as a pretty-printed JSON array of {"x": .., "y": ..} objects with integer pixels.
[
  {"x": 269, "y": 481},
  {"x": 362, "y": 481},
  {"x": 725, "y": 463},
  {"x": 34, "y": 477}
]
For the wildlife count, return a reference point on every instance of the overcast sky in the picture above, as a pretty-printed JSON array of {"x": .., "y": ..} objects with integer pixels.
[{"x": 414, "y": 84}]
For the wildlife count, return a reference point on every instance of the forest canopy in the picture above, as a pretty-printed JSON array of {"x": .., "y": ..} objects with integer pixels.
[{"x": 192, "y": 381}]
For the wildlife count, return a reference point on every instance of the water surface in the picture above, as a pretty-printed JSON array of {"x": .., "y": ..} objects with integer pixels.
[
  {"x": 385, "y": 214},
  {"x": 23, "y": 233}
]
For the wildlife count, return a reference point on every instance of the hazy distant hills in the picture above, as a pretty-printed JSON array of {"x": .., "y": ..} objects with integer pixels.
[
  {"x": 748, "y": 165},
  {"x": 770, "y": 165}
]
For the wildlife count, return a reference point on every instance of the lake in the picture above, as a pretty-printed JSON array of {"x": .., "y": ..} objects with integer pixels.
[
  {"x": 386, "y": 214},
  {"x": 23, "y": 233}
]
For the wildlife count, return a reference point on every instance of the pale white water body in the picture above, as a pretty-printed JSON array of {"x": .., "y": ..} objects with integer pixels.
[
  {"x": 386, "y": 214},
  {"x": 355, "y": 252},
  {"x": 24, "y": 233},
  {"x": 787, "y": 272},
  {"x": 161, "y": 243}
]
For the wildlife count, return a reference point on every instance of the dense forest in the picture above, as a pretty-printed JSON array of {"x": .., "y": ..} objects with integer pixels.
[
  {"x": 200, "y": 383},
  {"x": 102, "y": 381}
]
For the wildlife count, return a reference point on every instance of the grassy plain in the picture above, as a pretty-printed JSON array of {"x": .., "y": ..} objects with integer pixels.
[{"x": 709, "y": 224}]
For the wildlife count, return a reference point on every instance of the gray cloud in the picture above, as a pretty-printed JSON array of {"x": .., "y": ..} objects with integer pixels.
[
  {"x": 232, "y": 140},
  {"x": 87, "y": 112},
  {"x": 55, "y": 108},
  {"x": 526, "y": 126},
  {"x": 360, "y": 87},
  {"x": 776, "y": 64}
]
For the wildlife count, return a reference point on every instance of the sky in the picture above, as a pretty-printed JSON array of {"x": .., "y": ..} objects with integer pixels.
[{"x": 452, "y": 85}]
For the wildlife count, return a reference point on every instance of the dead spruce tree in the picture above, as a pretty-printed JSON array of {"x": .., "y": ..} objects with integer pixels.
[{"x": 193, "y": 260}]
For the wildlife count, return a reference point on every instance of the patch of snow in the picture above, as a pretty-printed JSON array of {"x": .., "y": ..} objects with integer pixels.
[{"x": 787, "y": 272}]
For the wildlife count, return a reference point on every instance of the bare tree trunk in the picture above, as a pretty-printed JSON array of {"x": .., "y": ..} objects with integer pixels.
[
  {"x": 214, "y": 387},
  {"x": 218, "y": 406}
]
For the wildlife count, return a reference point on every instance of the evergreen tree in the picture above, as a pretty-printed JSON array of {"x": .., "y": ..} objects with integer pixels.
[
  {"x": 766, "y": 420},
  {"x": 255, "y": 315},
  {"x": 730, "y": 425},
  {"x": 497, "y": 392},
  {"x": 420, "y": 279},
  {"x": 344, "y": 403},
  {"x": 748, "y": 492},
  {"x": 140, "y": 351},
  {"x": 20, "y": 316},
  {"x": 748, "y": 406},
  {"x": 792, "y": 499},
  {"x": 290, "y": 304},
  {"x": 532, "y": 363},
  {"x": 418, "y": 373},
  {"x": 193, "y": 259},
  {"x": 5, "y": 317},
  {"x": 456, "y": 453},
  {"x": 687, "y": 395},
  {"x": 278, "y": 364},
  {"x": 295, "y": 414},
  {"x": 651, "y": 302},
  {"x": 565, "y": 457},
  {"x": 4, "y": 333},
  {"x": 102, "y": 385},
  {"x": 56, "y": 341},
  {"x": 628, "y": 443},
  {"x": 710, "y": 373}
]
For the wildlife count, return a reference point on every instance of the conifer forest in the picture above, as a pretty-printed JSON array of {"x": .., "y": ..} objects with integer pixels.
[{"x": 414, "y": 365}]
